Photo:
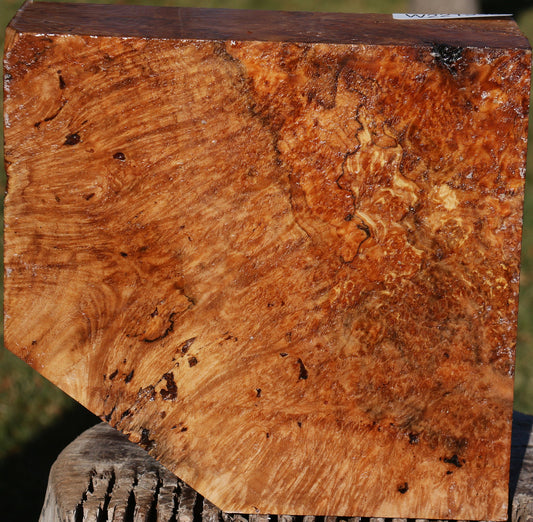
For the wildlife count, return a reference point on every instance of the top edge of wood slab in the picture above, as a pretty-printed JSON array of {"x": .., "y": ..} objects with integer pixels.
[{"x": 254, "y": 25}]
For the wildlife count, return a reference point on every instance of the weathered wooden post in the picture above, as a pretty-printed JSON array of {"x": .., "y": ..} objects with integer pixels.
[{"x": 280, "y": 251}]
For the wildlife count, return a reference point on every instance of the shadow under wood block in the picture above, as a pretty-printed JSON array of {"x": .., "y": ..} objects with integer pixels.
[{"x": 280, "y": 251}]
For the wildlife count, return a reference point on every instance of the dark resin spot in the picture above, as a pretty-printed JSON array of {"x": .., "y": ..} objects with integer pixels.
[
  {"x": 193, "y": 361},
  {"x": 123, "y": 254},
  {"x": 258, "y": 392},
  {"x": 171, "y": 392},
  {"x": 447, "y": 56},
  {"x": 113, "y": 375},
  {"x": 146, "y": 441},
  {"x": 187, "y": 344},
  {"x": 72, "y": 139},
  {"x": 413, "y": 438},
  {"x": 107, "y": 417},
  {"x": 119, "y": 156},
  {"x": 454, "y": 459},
  {"x": 303, "y": 370},
  {"x": 129, "y": 377},
  {"x": 403, "y": 488}
]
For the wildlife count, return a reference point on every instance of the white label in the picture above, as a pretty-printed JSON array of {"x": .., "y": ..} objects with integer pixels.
[{"x": 421, "y": 16}]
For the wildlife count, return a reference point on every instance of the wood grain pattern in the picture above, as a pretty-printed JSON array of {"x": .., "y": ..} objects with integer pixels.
[{"x": 287, "y": 268}]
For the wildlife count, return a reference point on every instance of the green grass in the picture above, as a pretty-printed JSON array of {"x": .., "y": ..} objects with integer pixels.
[
  {"x": 27, "y": 403},
  {"x": 36, "y": 417},
  {"x": 524, "y": 351}
]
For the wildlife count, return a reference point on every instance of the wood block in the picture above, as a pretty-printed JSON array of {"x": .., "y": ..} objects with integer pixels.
[{"x": 279, "y": 250}]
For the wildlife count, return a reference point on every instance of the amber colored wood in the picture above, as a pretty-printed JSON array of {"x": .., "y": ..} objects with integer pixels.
[
  {"x": 103, "y": 476},
  {"x": 286, "y": 264}
]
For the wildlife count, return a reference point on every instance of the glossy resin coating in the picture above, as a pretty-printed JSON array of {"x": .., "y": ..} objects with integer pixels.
[{"x": 280, "y": 251}]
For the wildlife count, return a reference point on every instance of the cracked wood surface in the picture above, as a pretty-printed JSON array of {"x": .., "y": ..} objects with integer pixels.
[
  {"x": 103, "y": 476},
  {"x": 284, "y": 260}
]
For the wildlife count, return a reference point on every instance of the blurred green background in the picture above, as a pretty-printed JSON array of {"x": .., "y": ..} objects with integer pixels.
[{"x": 37, "y": 420}]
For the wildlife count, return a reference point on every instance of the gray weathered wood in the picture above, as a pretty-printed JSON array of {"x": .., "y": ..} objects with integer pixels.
[{"x": 103, "y": 476}]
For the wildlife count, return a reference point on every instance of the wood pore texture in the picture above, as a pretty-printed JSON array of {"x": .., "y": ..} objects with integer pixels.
[{"x": 279, "y": 251}]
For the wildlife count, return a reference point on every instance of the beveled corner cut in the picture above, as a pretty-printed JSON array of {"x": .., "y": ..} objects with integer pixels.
[{"x": 279, "y": 250}]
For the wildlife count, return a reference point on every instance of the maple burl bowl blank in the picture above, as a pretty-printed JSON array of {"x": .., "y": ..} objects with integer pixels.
[{"x": 280, "y": 251}]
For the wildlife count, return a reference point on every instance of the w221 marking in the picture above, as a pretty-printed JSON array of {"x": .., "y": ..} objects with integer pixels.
[{"x": 424, "y": 16}]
